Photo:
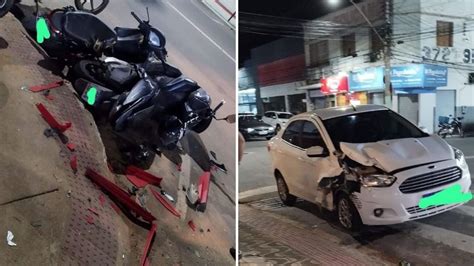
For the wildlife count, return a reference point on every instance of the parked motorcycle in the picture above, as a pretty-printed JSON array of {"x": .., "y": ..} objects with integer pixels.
[
  {"x": 450, "y": 126},
  {"x": 154, "y": 114},
  {"x": 77, "y": 35},
  {"x": 83, "y": 5}
]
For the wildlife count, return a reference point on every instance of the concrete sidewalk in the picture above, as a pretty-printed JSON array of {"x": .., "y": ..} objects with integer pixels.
[{"x": 42, "y": 201}]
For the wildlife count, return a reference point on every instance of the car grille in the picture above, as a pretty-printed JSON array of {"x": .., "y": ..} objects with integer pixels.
[
  {"x": 431, "y": 180},
  {"x": 418, "y": 212},
  {"x": 259, "y": 129}
]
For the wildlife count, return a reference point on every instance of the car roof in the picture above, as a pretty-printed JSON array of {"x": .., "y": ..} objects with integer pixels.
[
  {"x": 333, "y": 112},
  {"x": 278, "y": 112}
]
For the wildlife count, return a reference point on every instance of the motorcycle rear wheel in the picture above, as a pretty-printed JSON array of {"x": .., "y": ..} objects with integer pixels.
[
  {"x": 89, "y": 70},
  {"x": 80, "y": 4},
  {"x": 5, "y": 6}
]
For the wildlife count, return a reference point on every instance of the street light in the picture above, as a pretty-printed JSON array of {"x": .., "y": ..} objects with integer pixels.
[{"x": 334, "y": 2}]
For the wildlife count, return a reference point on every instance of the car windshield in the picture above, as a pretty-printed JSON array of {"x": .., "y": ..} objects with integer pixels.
[
  {"x": 285, "y": 116},
  {"x": 249, "y": 118},
  {"x": 370, "y": 127}
]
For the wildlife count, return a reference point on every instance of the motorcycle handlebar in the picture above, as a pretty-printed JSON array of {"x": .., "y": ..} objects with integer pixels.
[{"x": 136, "y": 17}]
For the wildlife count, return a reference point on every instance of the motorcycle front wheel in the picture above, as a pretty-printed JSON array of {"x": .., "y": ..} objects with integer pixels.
[
  {"x": 202, "y": 125},
  {"x": 89, "y": 5},
  {"x": 5, "y": 6},
  {"x": 442, "y": 133}
]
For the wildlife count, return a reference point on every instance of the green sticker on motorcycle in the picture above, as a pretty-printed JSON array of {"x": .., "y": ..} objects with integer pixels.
[
  {"x": 42, "y": 30},
  {"x": 91, "y": 95}
]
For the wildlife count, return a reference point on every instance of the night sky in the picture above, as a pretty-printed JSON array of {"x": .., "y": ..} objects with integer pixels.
[{"x": 298, "y": 9}]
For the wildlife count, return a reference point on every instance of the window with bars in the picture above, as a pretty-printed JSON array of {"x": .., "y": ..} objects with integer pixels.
[{"x": 444, "y": 33}]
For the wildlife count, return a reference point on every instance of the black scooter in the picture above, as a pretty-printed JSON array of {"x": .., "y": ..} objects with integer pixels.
[
  {"x": 77, "y": 35},
  {"x": 154, "y": 114}
]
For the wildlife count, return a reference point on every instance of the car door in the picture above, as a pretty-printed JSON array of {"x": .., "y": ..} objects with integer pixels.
[
  {"x": 267, "y": 118},
  {"x": 288, "y": 152},
  {"x": 312, "y": 169}
]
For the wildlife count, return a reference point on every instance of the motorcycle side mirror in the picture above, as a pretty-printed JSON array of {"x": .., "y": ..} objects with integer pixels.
[
  {"x": 230, "y": 119},
  {"x": 148, "y": 15}
]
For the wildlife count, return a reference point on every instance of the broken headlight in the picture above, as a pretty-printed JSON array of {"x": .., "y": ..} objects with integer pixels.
[
  {"x": 459, "y": 156},
  {"x": 377, "y": 180}
]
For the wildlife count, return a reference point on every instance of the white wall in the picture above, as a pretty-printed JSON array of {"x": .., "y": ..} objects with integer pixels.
[{"x": 282, "y": 89}]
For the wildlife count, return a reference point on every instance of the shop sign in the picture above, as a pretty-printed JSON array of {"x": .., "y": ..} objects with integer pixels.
[
  {"x": 335, "y": 84},
  {"x": 366, "y": 79},
  {"x": 419, "y": 76}
]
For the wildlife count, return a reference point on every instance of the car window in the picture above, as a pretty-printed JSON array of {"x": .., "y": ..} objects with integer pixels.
[
  {"x": 292, "y": 132},
  {"x": 248, "y": 118},
  {"x": 285, "y": 116},
  {"x": 370, "y": 127},
  {"x": 269, "y": 114},
  {"x": 311, "y": 137}
]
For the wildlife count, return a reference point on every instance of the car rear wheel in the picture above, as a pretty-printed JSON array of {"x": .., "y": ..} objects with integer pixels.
[
  {"x": 283, "y": 191},
  {"x": 347, "y": 213}
]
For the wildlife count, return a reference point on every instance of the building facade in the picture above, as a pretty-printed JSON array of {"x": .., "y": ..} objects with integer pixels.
[
  {"x": 431, "y": 59},
  {"x": 269, "y": 81}
]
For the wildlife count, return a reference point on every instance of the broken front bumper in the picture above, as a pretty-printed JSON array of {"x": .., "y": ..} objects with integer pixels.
[{"x": 400, "y": 207}]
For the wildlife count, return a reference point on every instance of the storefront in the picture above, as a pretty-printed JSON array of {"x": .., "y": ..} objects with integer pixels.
[
  {"x": 415, "y": 90},
  {"x": 336, "y": 89},
  {"x": 247, "y": 101},
  {"x": 366, "y": 86}
]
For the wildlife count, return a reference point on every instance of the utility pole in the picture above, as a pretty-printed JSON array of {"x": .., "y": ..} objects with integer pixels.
[
  {"x": 387, "y": 43},
  {"x": 387, "y": 54}
]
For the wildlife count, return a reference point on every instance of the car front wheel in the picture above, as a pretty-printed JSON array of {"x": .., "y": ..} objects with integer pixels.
[
  {"x": 283, "y": 191},
  {"x": 347, "y": 214}
]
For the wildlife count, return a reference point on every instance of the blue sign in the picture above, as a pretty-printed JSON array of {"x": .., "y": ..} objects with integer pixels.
[
  {"x": 367, "y": 79},
  {"x": 419, "y": 76}
]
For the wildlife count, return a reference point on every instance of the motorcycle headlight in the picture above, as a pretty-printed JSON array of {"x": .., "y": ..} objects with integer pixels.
[
  {"x": 250, "y": 130},
  {"x": 379, "y": 180},
  {"x": 459, "y": 156}
]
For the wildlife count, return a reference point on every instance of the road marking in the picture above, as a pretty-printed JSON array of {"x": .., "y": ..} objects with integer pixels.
[
  {"x": 469, "y": 157},
  {"x": 451, "y": 238},
  {"x": 202, "y": 32},
  {"x": 257, "y": 191}
]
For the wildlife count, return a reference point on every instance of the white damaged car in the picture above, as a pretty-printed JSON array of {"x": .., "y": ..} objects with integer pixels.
[{"x": 367, "y": 163}]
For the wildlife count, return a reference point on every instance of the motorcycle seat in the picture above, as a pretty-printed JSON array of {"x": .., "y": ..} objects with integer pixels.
[
  {"x": 87, "y": 28},
  {"x": 127, "y": 32}
]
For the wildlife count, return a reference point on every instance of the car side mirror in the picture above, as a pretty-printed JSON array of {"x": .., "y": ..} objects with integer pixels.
[
  {"x": 316, "y": 151},
  {"x": 274, "y": 117}
]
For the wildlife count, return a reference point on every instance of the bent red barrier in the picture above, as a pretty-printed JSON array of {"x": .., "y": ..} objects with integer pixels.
[
  {"x": 120, "y": 195},
  {"x": 51, "y": 120},
  {"x": 203, "y": 187},
  {"x": 49, "y": 86},
  {"x": 140, "y": 173},
  {"x": 146, "y": 250},
  {"x": 165, "y": 203}
]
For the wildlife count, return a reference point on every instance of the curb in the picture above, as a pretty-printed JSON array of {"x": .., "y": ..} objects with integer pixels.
[
  {"x": 215, "y": 11},
  {"x": 256, "y": 194}
]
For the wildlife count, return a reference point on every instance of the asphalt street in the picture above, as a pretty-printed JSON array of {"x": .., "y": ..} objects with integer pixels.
[
  {"x": 447, "y": 238},
  {"x": 199, "y": 44}
]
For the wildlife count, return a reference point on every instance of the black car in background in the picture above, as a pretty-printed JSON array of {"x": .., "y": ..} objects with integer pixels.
[{"x": 252, "y": 126}]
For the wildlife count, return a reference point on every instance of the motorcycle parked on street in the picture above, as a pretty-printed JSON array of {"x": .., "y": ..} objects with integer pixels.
[
  {"x": 154, "y": 114},
  {"x": 77, "y": 35},
  {"x": 450, "y": 126},
  {"x": 83, "y": 5}
]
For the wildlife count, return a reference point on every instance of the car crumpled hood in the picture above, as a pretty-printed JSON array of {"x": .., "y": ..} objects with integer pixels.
[{"x": 391, "y": 155}]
